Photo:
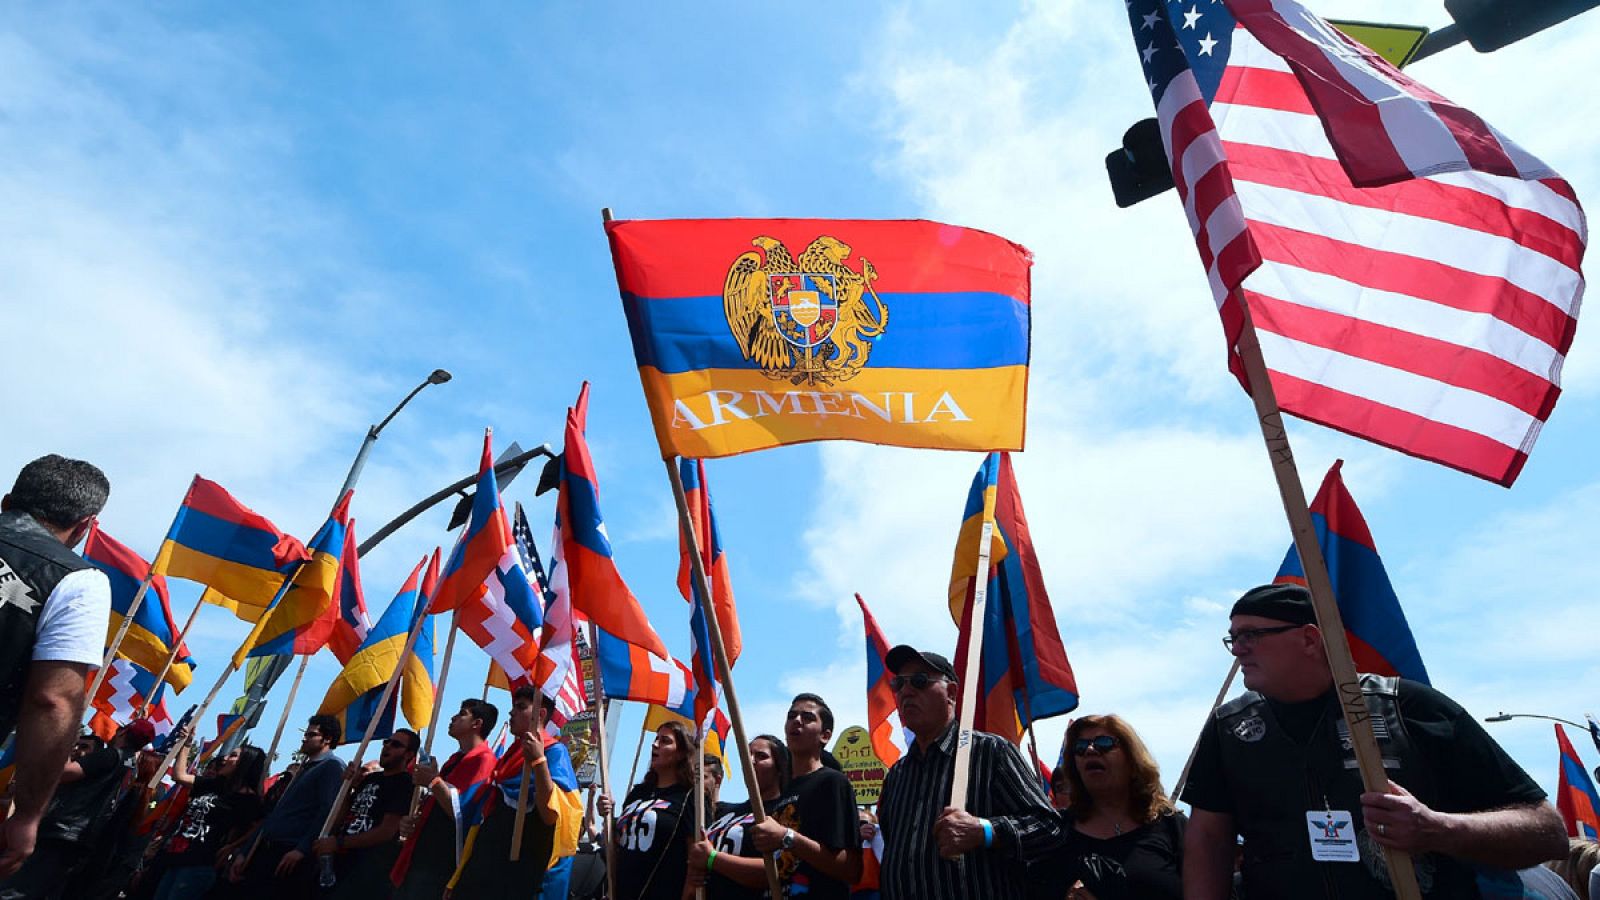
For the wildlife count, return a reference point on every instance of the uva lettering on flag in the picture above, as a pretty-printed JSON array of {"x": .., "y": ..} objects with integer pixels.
[
  {"x": 1380, "y": 637},
  {"x": 754, "y": 333},
  {"x": 1024, "y": 672},
  {"x": 1413, "y": 276}
]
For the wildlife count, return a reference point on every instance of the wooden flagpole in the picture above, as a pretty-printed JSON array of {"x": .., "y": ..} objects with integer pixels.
[
  {"x": 638, "y": 748},
  {"x": 603, "y": 761},
  {"x": 288, "y": 705},
  {"x": 969, "y": 677},
  {"x": 122, "y": 632},
  {"x": 697, "y": 569},
  {"x": 1334, "y": 640},
  {"x": 372, "y": 726},
  {"x": 1183, "y": 777},
  {"x": 233, "y": 666},
  {"x": 172, "y": 653},
  {"x": 438, "y": 702}
]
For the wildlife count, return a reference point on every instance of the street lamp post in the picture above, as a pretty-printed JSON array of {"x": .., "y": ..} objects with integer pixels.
[
  {"x": 1506, "y": 717},
  {"x": 437, "y": 376}
]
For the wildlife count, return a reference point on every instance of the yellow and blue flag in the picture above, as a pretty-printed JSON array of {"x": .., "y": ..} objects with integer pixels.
[
  {"x": 151, "y": 635},
  {"x": 239, "y": 555},
  {"x": 302, "y": 620},
  {"x": 754, "y": 333},
  {"x": 358, "y": 687}
]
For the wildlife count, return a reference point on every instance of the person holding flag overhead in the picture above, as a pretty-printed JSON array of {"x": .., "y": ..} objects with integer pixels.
[
  {"x": 54, "y": 607},
  {"x": 363, "y": 846},
  {"x": 813, "y": 828},
  {"x": 222, "y": 808},
  {"x": 1276, "y": 761},
  {"x": 726, "y": 862}
]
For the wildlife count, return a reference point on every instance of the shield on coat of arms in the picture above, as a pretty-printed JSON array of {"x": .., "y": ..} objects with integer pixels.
[{"x": 804, "y": 306}]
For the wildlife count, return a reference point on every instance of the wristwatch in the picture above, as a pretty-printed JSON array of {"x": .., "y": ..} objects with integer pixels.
[{"x": 788, "y": 840}]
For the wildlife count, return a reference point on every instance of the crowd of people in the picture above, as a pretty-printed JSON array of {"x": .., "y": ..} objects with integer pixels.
[{"x": 1277, "y": 807}]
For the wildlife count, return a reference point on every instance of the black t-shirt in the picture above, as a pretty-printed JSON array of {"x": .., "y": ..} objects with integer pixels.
[
  {"x": 379, "y": 795},
  {"x": 1470, "y": 770},
  {"x": 1144, "y": 864},
  {"x": 209, "y": 821},
  {"x": 652, "y": 843},
  {"x": 729, "y": 833},
  {"x": 822, "y": 806}
]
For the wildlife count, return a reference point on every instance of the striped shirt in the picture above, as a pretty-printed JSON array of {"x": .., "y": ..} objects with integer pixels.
[{"x": 1001, "y": 789}]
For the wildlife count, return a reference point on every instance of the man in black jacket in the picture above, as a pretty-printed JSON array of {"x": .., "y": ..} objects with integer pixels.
[{"x": 53, "y": 612}]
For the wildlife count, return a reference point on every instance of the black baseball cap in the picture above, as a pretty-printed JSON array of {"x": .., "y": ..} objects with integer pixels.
[{"x": 905, "y": 653}]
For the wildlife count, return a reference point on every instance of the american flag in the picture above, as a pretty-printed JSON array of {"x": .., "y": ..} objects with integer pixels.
[{"x": 1413, "y": 275}]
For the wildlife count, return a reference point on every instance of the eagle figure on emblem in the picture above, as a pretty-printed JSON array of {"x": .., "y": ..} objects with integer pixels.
[{"x": 805, "y": 320}]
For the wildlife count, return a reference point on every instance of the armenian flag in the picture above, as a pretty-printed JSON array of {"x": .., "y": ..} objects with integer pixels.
[
  {"x": 149, "y": 639},
  {"x": 300, "y": 622},
  {"x": 753, "y": 333},
  {"x": 883, "y": 714},
  {"x": 356, "y": 690},
  {"x": 712, "y": 559},
  {"x": 227, "y": 725},
  {"x": 1025, "y": 672},
  {"x": 584, "y": 565},
  {"x": 1380, "y": 638},
  {"x": 484, "y": 544},
  {"x": 1575, "y": 795},
  {"x": 219, "y": 542}
]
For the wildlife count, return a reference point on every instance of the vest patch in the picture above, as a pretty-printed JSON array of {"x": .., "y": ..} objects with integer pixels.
[
  {"x": 14, "y": 591},
  {"x": 1250, "y": 729}
]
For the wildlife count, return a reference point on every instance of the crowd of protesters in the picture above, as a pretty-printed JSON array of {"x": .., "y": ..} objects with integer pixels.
[{"x": 1277, "y": 807}]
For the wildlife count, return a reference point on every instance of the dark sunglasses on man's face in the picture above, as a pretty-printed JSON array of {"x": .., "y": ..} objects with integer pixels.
[
  {"x": 919, "y": 680},
  {"x": 1104, "y": 743}
]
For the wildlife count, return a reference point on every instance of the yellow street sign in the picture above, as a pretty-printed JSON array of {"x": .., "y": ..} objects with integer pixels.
[{"x": 1395, "y": 43}]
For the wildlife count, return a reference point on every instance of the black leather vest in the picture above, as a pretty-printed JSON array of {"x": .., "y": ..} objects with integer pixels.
[
  {"x": 1275, "y": 780},
  {"x": 32, "y": 563},
  {"x": 79, "y": 811}
]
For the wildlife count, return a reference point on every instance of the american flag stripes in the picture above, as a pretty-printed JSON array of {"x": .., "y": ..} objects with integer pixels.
[{"x": 1429, "y": 309}]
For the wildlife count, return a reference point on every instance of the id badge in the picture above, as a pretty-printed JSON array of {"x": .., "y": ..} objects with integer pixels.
[{"x": 1333, "y": 836}]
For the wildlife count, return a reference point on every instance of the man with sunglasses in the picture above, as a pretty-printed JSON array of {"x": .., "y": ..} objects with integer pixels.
[
  {"x": 363, "y": 845},
  {"x": 1274, "y": 766},
  {"x": 935, "y": 852},
  {"x": 276, "y": 858}
]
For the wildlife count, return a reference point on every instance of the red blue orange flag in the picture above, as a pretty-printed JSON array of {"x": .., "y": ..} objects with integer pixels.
[
  {"x": 351, "y": 620},
  {"x": 1380, "y": 637},
  {"x": 219, "y": 542},
  {"x": 302, "y": 620},
  {"x": 883, "y": 715},
  {"x": 482, "y": 547},
  {"x": 712, "y": 559},
  {"x": 1025, "y": 674},
  {"x": 228, "y": 724},
  {"x": 126, "y": 690},
  {"x": 753, "y": 333},
  {"x": 630, "y": 672},
  {"x": 149, "y": 639},
  {"x": 1575, "y": 795},
  {"x": 584, "y": 566}
]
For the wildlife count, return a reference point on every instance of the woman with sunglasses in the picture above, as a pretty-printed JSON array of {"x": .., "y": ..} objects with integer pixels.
[
  {"x": 1126, "y": 838},
  {"x": 727, "y": 862}
]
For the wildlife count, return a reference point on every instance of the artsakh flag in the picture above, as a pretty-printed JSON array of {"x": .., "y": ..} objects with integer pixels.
[
  {"x": 1575, "y": 795},
  {"x": 484, "y": 544},
  {"x": 630, "y": 672},
  {"x": 1412, "y": 275},
  {"x": 1380, "y": 638},
  {"x": 755, "y": 333},
  {"x": 883, "y": 714},
  {"x": 150, "y": 637},
  {"x": 238, "y": 554},
  {"x": 352, "y": 621},
  {"x": 596, "y": 588},
  {"x": 507, "y": 619},
  {"x": 302, "y": 620},
  {"x": 1025, "y": 672},
  {"x": 713, "y": 560},
  {"x": 127, "y": 689}
]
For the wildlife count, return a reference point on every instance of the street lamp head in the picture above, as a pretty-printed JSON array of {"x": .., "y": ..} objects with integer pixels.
[
  {"x": 439, "y": 376},
  {"x": 1501, "y": 717}
]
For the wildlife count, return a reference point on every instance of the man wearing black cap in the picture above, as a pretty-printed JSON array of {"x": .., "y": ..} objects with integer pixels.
[
  {"x": 1274, "y": 766},
  {"x": 934, "y": 851}
]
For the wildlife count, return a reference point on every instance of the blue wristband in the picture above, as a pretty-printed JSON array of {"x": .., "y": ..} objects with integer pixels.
[{"x": 988, "y": 832}]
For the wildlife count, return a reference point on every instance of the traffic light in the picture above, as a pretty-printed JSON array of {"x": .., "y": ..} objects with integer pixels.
[
  {"x": 1139, "y": 169},
  {"x": 1492, "y": 24}
]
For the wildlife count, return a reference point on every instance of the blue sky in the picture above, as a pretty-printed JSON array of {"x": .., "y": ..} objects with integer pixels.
[{"x": 235, "y": 236}]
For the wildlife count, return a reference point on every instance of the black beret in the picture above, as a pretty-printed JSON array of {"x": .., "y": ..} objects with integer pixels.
[{"x": 1284, "y": 602}]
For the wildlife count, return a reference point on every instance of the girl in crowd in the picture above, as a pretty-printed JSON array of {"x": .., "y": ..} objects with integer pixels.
[
  {"x": 222, "y": 807},
  {"x": 727, "y": 862},
  {"x": 652, "y": 839},
  {"x": 1126, "y": 837}
]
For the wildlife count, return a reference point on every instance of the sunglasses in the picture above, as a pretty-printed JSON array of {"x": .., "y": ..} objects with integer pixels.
[
  {"x": 920, "y": 680},
  {"x": 1104, "y": 743},
  {"x": 397, "y": 743}
]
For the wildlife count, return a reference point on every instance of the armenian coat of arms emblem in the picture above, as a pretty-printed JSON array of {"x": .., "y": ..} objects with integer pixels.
[{"x": 804, "y": 320}]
